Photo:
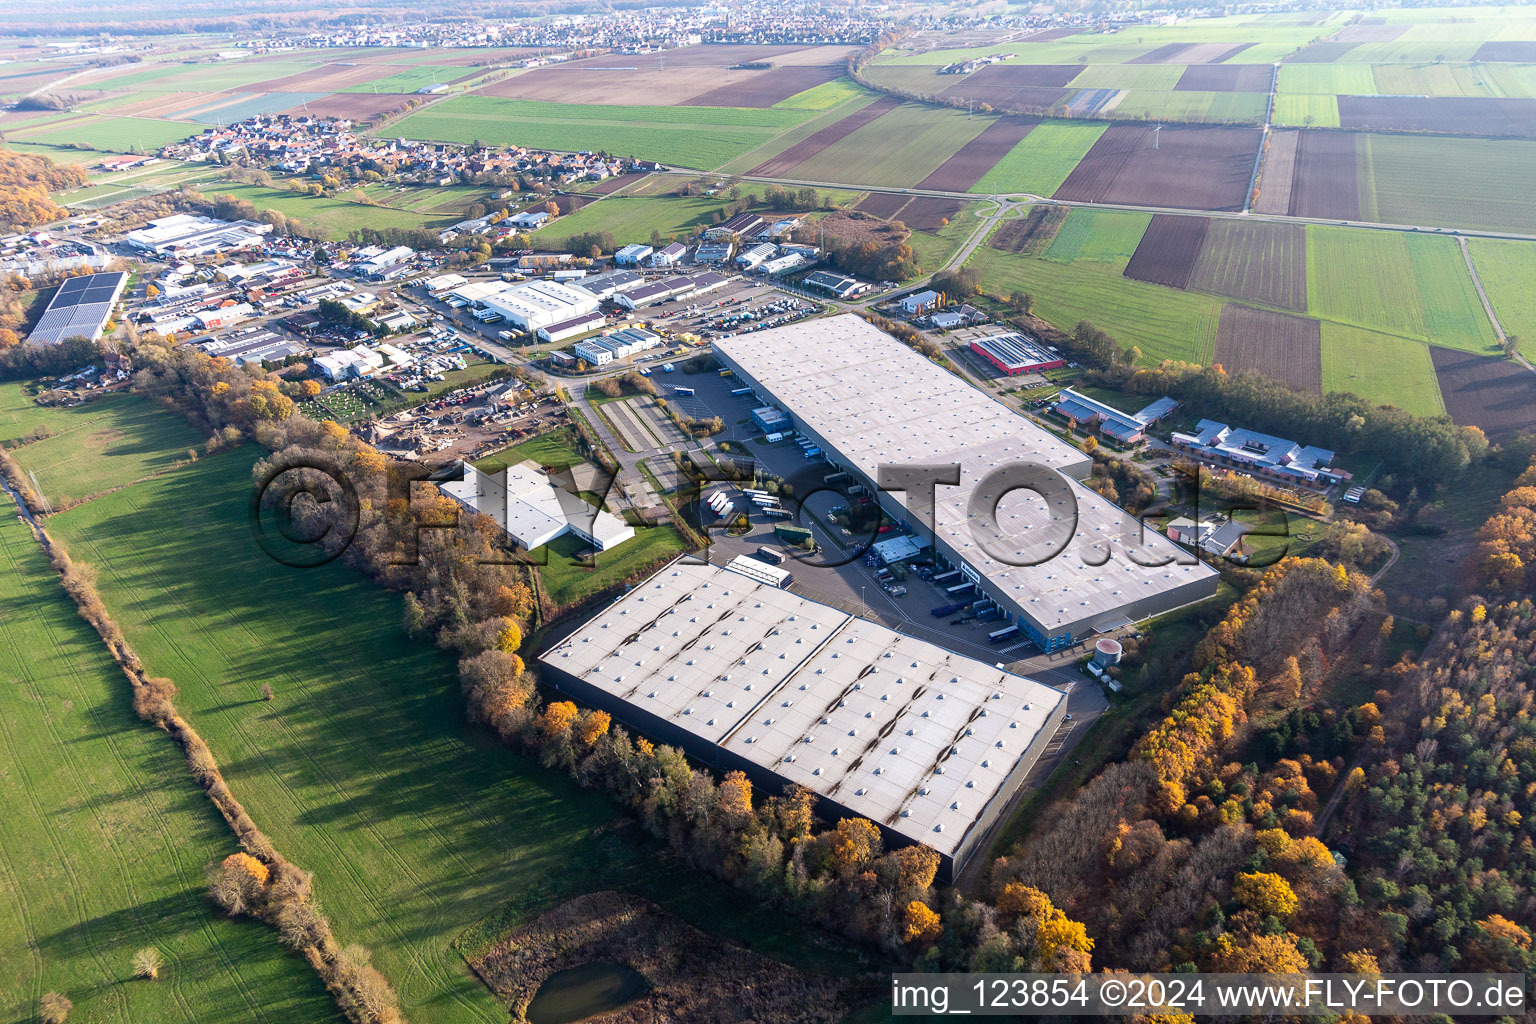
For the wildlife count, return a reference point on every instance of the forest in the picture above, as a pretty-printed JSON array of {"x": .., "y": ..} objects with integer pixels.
[{"x": 25, "y": 183}]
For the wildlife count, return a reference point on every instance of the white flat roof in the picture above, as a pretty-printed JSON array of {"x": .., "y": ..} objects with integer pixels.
[
  {"x": 531, "y": 507},
  {"x": 876, "y": 401},
  {"x": 896, "y": 729}
]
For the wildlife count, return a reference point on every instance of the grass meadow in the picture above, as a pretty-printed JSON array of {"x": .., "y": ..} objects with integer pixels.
[
  {"x": 335, "y": 215},
  {"x": 106, "y": 837},
  {"x": 1508, "y": 271},
  {"x": 1098, "y": 236},
  {"x": 1382, "y": 368},
  {"x": 92, "y": 448},
  {"x": 109, "y": 134},
  {"x": 633, "y": 218}
]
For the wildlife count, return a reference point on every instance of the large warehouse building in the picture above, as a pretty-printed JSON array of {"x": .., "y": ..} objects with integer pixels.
[
  {"x": 531, "y": 305},
  {"x": 866, "y": 399},
  {"x": 926, "y": 743}
]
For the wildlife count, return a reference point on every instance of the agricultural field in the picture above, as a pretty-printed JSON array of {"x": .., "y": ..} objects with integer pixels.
[
  {"x": 790, "y": 147},
  {"x": 1098, "y": 236},
  {"x": 1507, "y": 270},
  {"x": 335, "y": 215},
  {"x": 633, "y": 218},
  {"x": 1183, "y": 167},
  {"x": 1307, "y": 110},
  {"x": 898, "y": 149},
  {"x": 1260, "y": 261},
  {"x": 107, "y": 134},
  {"x": 1487, "y": 391},
  {"x": 1162, "y": 322},
  {"x": 699, "y": 137},
  {"x": 1198, "y": 107},
  {"x": 1418, "y": 286},
  {"x": 1466, "y": 183},
  {"x": 92, "y": 448},
  {"x": 362, "y": 769},
  {"x": 1383, "y": 368},
  {"x": 408, "y": 80},
  {"x": 1041, "y": 162},
  {"x": 1279, "y": 346},
  {"x": 934, "y": 248},
  {"x": 106, "y": 837}
]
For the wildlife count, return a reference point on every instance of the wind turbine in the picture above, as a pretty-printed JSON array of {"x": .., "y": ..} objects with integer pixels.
[{"x": 1156, "y": 131}]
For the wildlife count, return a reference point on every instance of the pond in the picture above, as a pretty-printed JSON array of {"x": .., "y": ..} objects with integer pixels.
[{"x": 585, "y": 991}]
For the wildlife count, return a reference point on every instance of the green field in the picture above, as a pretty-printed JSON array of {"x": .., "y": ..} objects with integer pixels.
[
  {"x": 633, "y": 218},
  {"x": 336, "y": 215},
  {"x": 566, "y": 580},
  {"x": 1397, "y": 282},
  {"x": 557, "y": 448},
  {"x": 1467, "y": 183},
  {"x": 410, "y": 79},
  {"x": 110, "y": 134},
  {"x": 701, "y": 137},
  {"x": 1042, "y": 159},
  {"x": 362, "y": 769},
  {"x": 777, "y": 144},
  {"x": 1491, "y": 80},
  {"x": 106, "y": 836},
  {"x": 1188, "y": 105},
  {"x": 1164, "y": 323},
  {"x": 1326, "y": 79},
  {"x": 1307, "y": 110},
  {"x": 824, "y": 97},
  {"x": 1507, "y": 270},
  {"x": 1381, "y": 368},
  {"x": 1098, "y": 236},
  {"x": 896, "y": 150},
  {"x": 95, "y": 447},
  {"x": 934, "y": 248}
]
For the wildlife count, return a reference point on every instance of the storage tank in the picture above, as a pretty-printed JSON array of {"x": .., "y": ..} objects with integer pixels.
[{"x": 1107, "y": 652}]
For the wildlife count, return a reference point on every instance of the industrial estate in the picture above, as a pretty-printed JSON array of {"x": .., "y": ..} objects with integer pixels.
[{"x": 567, "y": 512}]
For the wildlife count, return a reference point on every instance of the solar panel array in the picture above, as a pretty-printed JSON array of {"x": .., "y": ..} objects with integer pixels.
[{"x": 80, "y": 308}]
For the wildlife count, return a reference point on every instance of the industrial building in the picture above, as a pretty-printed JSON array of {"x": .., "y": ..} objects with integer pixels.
[
  {"x": 575, "y": 327},
  {"x": 866, "y": 400},
  {"x": 1276, "y": 459},
  {"x": 1014, "y": 353},
  {"x": 80, "y": 308},
  {"x": 632, "y": 255},
  {"x": 742, "y": 674},
  {"x": 1125, "y": 427},
  {"x": 528, "y": 306},
  {"x": 533, "y": 509},
  {"x": 185, "y": 235}
]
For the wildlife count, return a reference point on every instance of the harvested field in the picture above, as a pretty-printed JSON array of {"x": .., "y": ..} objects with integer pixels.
[
  {"x": 765, "y": 88},
  {"x": 1326, "y": 183},
  {"x": 1164, "y": 54},
  {"x": 882, "y": 204},
  {"x": 807, "y": 148},
  {"x": 1225, "y": 78},
  {"x": 1277, "y": 173},
  {"x": 929, "y": 213},
  {"x": 1450, "y": 115},
  {"x": 1191, "y": 53},
  {"x": 1259, "y": 261},
  {"x": 1513, "y": 52},
  {"x": 1168, "y": 250},
  {"x": 1284, "y": 348},
  {"x": 608, "y": 186},
  {"x": 1047, "y": 35},
  {"x": 691, "y": 975},
  {"x": 1321, "y": 53},
  {"x": 570, "y": 204},
  {"x": 1015, "y": 86},
  {"x": 979, "y": 156},
  {"x": 329, "y": 78},
  {"x": 1486, "y": 391},
  {"x": 1191, "y": 168},
  {"x": 1030, "y": 235},
  {"x": 355, "y": 106},
  {"x": 898, "y": 151},
  {"x": 703, "y": 56}
]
